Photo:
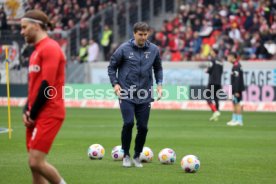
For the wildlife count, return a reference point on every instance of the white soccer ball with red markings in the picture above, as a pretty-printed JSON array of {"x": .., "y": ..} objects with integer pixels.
[
  {"x": 117, "y": 153},
  {"x": 146, "y": 155},
  {"x": 167, "y": 156},
  {"x": 190, "y": 163},
  {"x": 96, "y": 151}
]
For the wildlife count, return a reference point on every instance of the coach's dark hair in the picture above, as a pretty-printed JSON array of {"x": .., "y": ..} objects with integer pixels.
[
  {"x": 41, "y": 16},
  {"x": 140, "y": 26}
]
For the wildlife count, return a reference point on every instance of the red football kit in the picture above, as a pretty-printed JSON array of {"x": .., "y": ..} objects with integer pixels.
[{"x": 47, "y": 63}]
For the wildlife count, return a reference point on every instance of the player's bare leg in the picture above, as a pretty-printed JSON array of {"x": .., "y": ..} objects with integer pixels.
[
  {"x": 38, "y": 178},
  {"x": 238, "y": 109},
  {"x": 39, "y": 165}
]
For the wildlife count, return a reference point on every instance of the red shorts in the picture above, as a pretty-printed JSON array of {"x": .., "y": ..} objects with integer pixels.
[{"x": 43, "y": 134}]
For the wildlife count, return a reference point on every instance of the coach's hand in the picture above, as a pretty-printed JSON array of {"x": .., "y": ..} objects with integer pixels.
[
  {"x": 159, "y": 92},
  {"x": 28, "y": 122},
  {"x": 117, "y": 89}
]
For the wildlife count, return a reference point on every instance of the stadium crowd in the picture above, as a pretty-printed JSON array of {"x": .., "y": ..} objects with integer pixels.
[
  {"x": 64, "y": 14},
  {"x": 247, "y": 27}
]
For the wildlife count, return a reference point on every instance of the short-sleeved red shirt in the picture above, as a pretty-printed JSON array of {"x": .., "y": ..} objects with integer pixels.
[{"x": 47, "y": 62}]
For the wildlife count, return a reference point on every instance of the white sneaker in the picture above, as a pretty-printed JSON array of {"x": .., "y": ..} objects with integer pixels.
[
  {"x": 235, "y": 123},
  {"x": 126, "y": 161},
  {"x": 215, "y": 116},
  {"x": 229, "y": 123},
  {"x": 137, "y": 162}
]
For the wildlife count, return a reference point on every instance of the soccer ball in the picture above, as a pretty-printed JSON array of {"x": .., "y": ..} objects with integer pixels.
[
  {"x": 167, "y": 156},
  {"x": 117, "y": 153},
  {"x": 96, "y": 151},
  {"x": 190, "y": 163},
  {"x": 146, "y": 155}
]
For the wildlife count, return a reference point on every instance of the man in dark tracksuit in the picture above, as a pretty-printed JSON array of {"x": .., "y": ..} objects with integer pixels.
[
  {"x": 130, "y": 72},
  {"x": 237, "y": 83},
  {"x": 214, "y": 70}
]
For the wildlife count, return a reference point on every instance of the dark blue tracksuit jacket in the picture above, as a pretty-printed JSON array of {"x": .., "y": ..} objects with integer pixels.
[{"x": 131, "y": 67}]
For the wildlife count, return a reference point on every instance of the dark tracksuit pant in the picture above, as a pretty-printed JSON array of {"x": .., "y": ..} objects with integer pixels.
[
  {"x": 216, "y": 87},
  {"x": 141, "y": 112}
]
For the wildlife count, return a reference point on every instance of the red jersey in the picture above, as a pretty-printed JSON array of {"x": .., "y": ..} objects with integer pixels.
[{"x": 47, "y": 62}]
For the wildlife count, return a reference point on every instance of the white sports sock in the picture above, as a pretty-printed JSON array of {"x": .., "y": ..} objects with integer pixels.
[{"x": 62, "y": 181}]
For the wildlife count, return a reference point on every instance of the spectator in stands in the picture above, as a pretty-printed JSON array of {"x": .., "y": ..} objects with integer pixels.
[
  {"x": 71, "y": 24},
  {"x": 189, "y": 46},
  {"x": 197, "y": 25},
  {"x": 161, "y": 40},
  {"x": 196, "y": 43},
  {"x": 176, "y": 56},
  {"x": 248, "y": 20},
  {"x": 84, "y": 32},
  {"x": 216, "y": 22},
  {"x": 167, "y": 55},
  {"x": 26, "y": 52},
  {"x": 248, "y": 51},
  {"x": 14, "y": 30},
  {"x": 106, "y": 41},
  {"x": 83, "y": 52},
  {"x": 234, "y": 6},
  {"x": 93, "y": 51},
  {"x": 3, "y": 19}
]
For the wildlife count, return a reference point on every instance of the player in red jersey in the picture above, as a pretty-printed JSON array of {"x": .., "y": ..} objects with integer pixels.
[{"x": 44, "y": 111}]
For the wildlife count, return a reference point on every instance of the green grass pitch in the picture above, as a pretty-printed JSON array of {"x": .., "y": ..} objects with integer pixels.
[{"x": 228, "y": 155}]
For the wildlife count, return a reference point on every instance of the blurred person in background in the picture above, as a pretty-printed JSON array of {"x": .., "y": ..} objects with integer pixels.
[
  {"x": 237, "y": 83},
  {"x": 214, "y": 70},
  {"x": 106, "y": 41},
  {"x": 93, "y": 51},
  {"x": 83, "y": 51},
  {"x": 3, "y": 20}
]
